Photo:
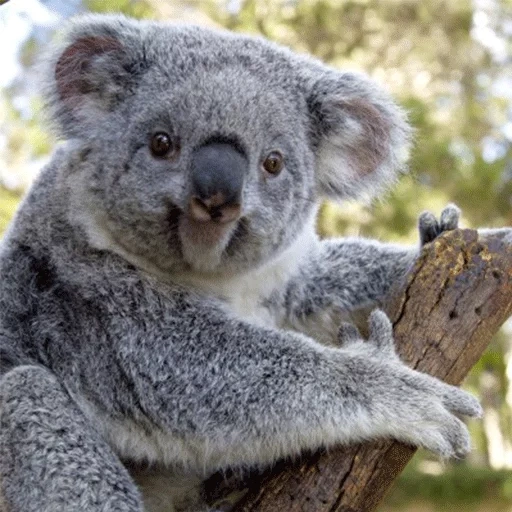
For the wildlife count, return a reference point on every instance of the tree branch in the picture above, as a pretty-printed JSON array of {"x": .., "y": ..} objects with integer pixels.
[{"x": 455, "y": 299}]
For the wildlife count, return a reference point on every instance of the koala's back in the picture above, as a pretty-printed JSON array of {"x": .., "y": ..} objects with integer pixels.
[
  {"x": 23, "y": 275},
  {"x": 45, "y": 309}
]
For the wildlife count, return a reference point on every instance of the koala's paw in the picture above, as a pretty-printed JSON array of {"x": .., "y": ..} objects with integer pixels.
[
  {"x": 415, "y": 407},
  {"x": 380, "y": 341},
  {"x": 430, "y": 228},
  {"x": 428, "y": 413}
]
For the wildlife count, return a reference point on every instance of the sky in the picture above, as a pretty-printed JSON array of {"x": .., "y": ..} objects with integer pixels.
[{"x": 18, "y": 18}]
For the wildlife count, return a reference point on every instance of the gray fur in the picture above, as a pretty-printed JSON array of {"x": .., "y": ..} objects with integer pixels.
[{"x": 130, "y": 334}]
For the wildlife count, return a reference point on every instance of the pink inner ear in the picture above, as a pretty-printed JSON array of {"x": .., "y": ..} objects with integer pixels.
[
  {"x": 73, "y": 63},
  {"x": 371, "y": 147}
]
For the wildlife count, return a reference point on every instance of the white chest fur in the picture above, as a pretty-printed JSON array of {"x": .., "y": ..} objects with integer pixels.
[{"x": 245, "y": 294}]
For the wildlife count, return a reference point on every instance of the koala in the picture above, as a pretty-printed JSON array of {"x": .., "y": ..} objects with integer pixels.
[{"x": 166, "y": 308}]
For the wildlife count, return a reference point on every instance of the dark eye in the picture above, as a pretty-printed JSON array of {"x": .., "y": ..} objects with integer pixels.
[
  {"x": 274, "y": 163},
  {"x": 163, "y": 146}
]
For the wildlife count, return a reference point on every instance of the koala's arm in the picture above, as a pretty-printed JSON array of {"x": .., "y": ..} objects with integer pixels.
[
  {"x": 51, "y": 458},
  {"x": 344, "y": 275},
  {"x": 348, "y": 274},
  {"x": 179, "y": 380},
  {"x": 233, "y": 393}
]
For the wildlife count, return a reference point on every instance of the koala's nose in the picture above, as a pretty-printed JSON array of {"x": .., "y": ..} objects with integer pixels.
[{"x": 218, "y": 171}]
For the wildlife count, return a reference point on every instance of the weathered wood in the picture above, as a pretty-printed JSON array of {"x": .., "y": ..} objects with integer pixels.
[{"x": 456, "y": 297}]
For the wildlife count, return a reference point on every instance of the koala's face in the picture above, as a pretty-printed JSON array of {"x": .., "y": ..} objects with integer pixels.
[
  {"x": 214, "y": 168},
  {"x": 209, "y": 150}
]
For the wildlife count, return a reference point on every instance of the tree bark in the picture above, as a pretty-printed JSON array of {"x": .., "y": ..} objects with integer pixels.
[{"x": 455, "y": 299}]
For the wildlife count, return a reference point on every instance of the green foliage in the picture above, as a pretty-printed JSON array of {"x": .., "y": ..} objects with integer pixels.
[
  {"x": 135, "y": 8},
  {"x": 26, "y": 140},
  {"x": 8, "y": 204},
  {"x": 457, "y": 486}
]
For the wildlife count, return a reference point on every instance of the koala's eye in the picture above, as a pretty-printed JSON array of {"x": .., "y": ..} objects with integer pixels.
[
  {"x": 163, "y": 146},
  {"x": 274, "y": 163}
]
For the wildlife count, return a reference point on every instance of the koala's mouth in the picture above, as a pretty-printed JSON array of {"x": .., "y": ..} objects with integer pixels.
[
  {"x": 205, "y": 234},
  {"x": 202, "y": 242}
]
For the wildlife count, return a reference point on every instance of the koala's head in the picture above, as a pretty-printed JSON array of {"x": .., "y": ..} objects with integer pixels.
[{"x": 211, "y": 150}]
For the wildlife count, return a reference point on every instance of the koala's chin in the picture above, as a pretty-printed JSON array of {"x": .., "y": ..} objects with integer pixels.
[{"x": 204, "y": 243}]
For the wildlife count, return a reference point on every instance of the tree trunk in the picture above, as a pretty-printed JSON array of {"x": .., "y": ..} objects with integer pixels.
[{"x": 455, "y": 299}]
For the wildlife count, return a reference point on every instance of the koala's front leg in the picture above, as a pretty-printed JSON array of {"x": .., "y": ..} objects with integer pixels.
[
  {"x": 229, "y": 393},
  {"x": 51, "y": 459},
  {"x": 350, "y": 274}
]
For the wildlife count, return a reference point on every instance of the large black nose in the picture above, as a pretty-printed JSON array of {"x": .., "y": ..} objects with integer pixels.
[{"x": 218, "y": 171}]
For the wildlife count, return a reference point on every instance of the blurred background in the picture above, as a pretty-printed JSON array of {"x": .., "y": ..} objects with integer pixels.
[{"x": 448, "y": 62}]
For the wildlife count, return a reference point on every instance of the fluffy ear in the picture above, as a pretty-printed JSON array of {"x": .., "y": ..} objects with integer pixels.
[
  {"x": 94, "y": 68},
  {"x": 361, "y": 137}
]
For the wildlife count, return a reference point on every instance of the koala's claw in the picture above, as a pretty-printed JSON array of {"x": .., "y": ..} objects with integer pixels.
[
  {"x": 448, "y": 436},
  {"x": 430, "y": 228},
  {"x": 436, "y": 426},
  {"x": 459, "y": 402},
  {"x": 454, "y": 399},
  {"x": 381, "y": 332},
  {"x": 450, "y": 217},
  {"x": 457, "y": 442}
]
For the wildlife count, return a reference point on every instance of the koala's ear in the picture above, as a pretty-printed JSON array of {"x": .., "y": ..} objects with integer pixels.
[
  {"x": 95, "y": 67},
  {"x": 361, "y": 137}
]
